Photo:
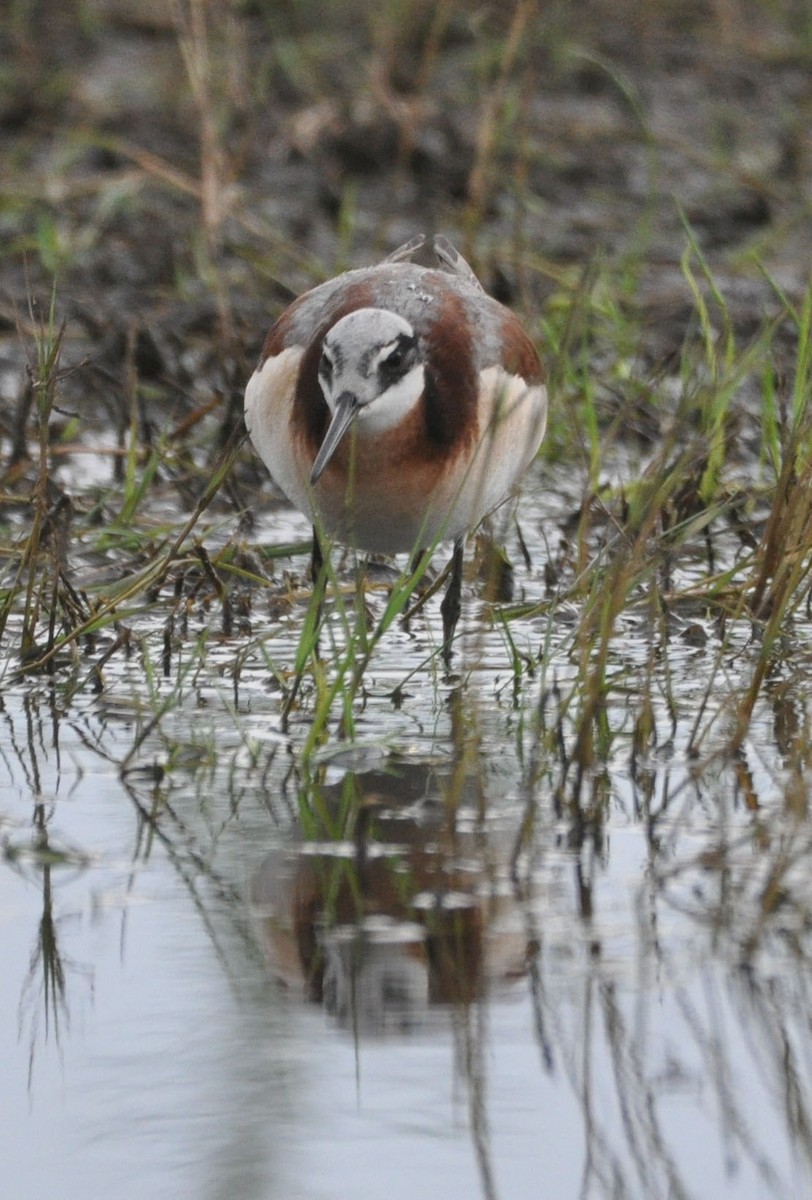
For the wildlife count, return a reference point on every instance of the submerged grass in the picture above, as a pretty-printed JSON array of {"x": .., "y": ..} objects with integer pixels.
[
  {"x": 685, "y": 523},
  {"x": 693, "y": 502}
]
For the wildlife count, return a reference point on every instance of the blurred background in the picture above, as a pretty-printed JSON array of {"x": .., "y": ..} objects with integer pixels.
[{"x": 181, "y": 169}]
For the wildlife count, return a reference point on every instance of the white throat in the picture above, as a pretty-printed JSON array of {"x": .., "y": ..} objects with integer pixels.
[{"x": 388, "y": 409}]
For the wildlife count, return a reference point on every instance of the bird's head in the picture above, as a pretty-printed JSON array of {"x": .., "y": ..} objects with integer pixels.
[{"x": 371, "y": 372}]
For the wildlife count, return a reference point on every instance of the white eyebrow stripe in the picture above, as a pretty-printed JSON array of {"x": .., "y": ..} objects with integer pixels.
[{"x": 384, "y": 353}]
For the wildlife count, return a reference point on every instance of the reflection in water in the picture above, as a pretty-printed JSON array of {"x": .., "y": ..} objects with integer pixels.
[
  {"x": 622, "y": 970},
  {"x": 395, "y": 914},
  {"x": 43, "y": 1007},
  {"x": 404, "y": 909},
  {"x": 44, "y": 990}
]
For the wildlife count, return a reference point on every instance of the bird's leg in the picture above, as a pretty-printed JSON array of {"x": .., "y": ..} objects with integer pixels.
[
  {"x": 414, "y": 563},
  {"x": 316, "y": 558},
  {"x": 318, "y": 575},
  {"x": 415, "y": 560},
  {"x": 451, "y": 606}
]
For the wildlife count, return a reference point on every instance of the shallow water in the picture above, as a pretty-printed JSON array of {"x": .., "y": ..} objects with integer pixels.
[{"x": 423, "y": 965}]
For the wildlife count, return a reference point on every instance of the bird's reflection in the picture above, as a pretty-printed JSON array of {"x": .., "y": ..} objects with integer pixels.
[{"x": 393, "y": 906}]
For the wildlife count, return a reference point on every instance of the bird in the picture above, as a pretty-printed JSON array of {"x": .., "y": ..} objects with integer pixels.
[{"x": 396, "y": 406}]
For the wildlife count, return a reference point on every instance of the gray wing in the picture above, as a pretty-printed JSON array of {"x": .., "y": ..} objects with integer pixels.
[{"x": 428, "y": 298}]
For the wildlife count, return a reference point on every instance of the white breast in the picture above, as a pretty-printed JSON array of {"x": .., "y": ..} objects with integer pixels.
[
  {"x": 512, "y": 420},
  {"x": 268, "y": 409}
]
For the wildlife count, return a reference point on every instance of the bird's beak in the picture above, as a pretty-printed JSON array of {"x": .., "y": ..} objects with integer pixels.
[{"x": 345, "y": 412}]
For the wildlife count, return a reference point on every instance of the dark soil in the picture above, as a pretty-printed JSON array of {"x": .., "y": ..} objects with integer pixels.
[{"x": 179, "y": 179}]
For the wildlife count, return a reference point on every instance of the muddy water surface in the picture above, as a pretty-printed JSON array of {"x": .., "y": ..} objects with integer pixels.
[{"x": 423, "y": 963}]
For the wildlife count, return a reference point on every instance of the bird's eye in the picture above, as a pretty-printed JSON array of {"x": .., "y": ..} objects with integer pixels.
[
  {"x": 397, "y": 360},
  {"x": 326, "y": 370}
]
